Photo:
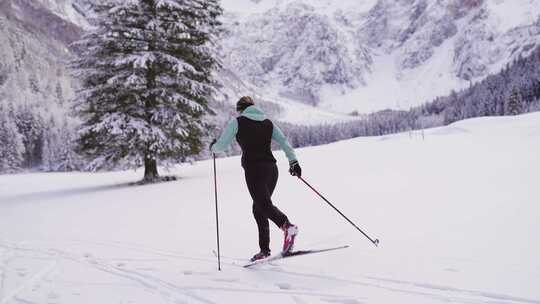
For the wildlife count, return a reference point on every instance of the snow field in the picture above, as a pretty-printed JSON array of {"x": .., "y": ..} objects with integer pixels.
[{"x": 456, "y": 214}]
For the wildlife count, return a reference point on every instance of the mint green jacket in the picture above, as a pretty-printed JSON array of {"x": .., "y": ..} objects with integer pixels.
[{"x": 253, "y": 113}]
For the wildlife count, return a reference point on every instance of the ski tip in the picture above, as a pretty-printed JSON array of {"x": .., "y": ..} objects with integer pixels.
[{"x": 376, "y": 242}]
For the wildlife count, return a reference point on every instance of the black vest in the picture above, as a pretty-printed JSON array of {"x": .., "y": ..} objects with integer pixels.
[{"x": 255, "y": 139}]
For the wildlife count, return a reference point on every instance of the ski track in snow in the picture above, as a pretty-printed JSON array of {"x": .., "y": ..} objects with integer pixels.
[
  {"x": 38, "y": 276},
  {"x": 152, "y": 283},
  {"x": 184, "y": 293}
]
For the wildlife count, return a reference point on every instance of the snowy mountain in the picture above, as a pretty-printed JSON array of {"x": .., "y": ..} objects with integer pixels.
[
  {"x": 340, "y": 56},
  {"x": 456, "y": 214},
  {"x": 40, "y": 31},
  {"x": 296, "y": 49},
  {"x": 371, "y": 55},
  {"x": 34, "y": 50}
]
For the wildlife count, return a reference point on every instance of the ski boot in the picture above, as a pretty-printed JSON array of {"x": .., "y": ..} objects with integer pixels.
[
  {"x": 261, "y": 255},
  {"x": 290, "y": 232}
]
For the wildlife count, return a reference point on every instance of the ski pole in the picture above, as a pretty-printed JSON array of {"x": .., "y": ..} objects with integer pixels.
[
  {"x": 217, "y": 214},
  {"x": 374, "y": 241}
]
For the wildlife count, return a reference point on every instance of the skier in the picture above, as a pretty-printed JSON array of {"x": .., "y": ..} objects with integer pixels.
[{"x": 254, "y": 133}]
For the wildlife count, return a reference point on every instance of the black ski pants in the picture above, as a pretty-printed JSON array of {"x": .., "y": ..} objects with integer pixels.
[{"x": 261, "y": 179}]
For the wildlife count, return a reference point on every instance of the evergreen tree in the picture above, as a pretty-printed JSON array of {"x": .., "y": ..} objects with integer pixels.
[
  {"x": 12, "y": 148},
  {"x": 59, "y": 93},
  {"x": 453, "y": 111},
  {"x": 67, "y": 158},
  {"x": 50, "y": 142},
  {"x": 30, "y": 125},
  {"x": 58, "y": 147},
  {"x": 515, "y": 103},
  {"x": 146, "y": 78}
]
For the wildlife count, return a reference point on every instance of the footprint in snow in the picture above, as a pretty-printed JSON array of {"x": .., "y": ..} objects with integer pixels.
[
  {"x": 298, "y": 300},
  {"x": 90, "y": 258},
  {"x": 53, "y": 295},
  {"x": 226, "y": 280},
  {"x": 342, "y": 301},
  {"x": 285, "y": 286},
  {"x": 189, "y": 272},
  {"x": 36, "y": 287},
  {"x": 451, "y": 270},
  {"x": 22, "y": 272}
]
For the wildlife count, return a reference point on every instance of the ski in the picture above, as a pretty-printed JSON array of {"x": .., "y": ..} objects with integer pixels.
[{"x": 291, "y": 254}]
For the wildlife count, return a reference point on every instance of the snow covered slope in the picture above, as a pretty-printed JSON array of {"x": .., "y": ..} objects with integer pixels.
[
  {"x": 456, "y": 213},
  {"x": 34, "y": 51},
  {"x": 372, "y": 55},
  {"x": 70, "y": 10}
]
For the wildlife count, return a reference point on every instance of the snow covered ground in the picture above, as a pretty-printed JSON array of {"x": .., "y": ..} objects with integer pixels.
[{"x": 457, "y": 214}]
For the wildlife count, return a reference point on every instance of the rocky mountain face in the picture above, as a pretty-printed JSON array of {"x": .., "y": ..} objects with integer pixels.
[
  {"x": 417, "y": 29},
  {"x": 34, "y": 47},
  {"x": 295, "y": 49},
  {"x": 298, "y": 49}
]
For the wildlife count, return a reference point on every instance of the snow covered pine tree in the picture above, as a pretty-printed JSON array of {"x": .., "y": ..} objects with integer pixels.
[
  {"x": 515, "y": 103},
  {"x": 12, "y": 148},
  {"x": 146, "y": 77}
]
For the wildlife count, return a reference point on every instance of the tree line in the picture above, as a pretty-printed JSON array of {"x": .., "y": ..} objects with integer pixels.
[{"x": 514, "y": 90}]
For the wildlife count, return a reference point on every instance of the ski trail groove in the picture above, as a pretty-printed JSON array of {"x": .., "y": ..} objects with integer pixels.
[
  {"x": 489, "y": 295},
  {"x": 171, "y": 291},
  {"x": 155, "y": 285},
  {"x": 427, "y": 290},
  {"x": 46, "y": 270}
]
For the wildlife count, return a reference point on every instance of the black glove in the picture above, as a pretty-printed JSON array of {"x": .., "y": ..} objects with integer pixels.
[
  {"x": 212, "y": 143},
  {"x": 294, "y": 169}
]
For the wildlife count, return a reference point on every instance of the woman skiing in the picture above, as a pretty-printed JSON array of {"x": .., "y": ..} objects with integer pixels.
[{"x": 254, "y": 133}]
